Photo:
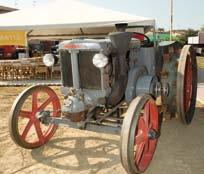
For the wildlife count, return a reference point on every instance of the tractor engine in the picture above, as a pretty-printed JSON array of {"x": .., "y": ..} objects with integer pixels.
[{"x": 103, "y": 72}]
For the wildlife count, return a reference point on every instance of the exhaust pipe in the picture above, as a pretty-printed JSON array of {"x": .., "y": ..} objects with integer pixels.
[{"x": 121, "y": 41}]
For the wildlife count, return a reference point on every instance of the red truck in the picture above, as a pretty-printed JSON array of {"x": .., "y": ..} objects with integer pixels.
[{"x": 8, "y": 52}]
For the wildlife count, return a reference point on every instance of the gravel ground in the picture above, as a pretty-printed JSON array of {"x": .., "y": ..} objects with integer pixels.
[{"x": 180, "y": 149}]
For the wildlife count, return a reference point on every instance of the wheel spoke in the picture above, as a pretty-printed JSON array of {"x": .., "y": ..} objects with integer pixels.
[
  {"x": 46, "y": 103},
  {"x": 141, "y": 133},
  {"x": 34, "y": 101},
  {"x": 147, "y": 114},
  {"x": 39, "y": 131},
  {"x": 153, "y": 121},
  {"x": 139, "y": 138},
  {"x": 27, "y": 128},
  {"x": 139, "y": 153},
  {"x": 146, "y": 148},
  {"x": 25, "y": 114},
  {"x": 141, "y": 124},
  {"x": 150, "y": 148}
]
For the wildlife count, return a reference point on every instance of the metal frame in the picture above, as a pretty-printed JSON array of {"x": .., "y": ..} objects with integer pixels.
[{"x": 109, "y": 122}]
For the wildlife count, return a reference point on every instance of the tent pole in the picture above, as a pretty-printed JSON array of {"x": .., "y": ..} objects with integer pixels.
[{"x": 171, "y": 19}]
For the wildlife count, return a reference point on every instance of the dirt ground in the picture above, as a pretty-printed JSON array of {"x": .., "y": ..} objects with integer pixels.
[{"x": 180, "y": 149}]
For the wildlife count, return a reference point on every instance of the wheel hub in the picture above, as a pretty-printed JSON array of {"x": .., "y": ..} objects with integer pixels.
[
  {"x": 43, "y": 117},
  {"x": 152, "y": 134}
]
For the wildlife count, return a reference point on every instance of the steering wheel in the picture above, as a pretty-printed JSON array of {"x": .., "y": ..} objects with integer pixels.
[{"x": 145, "y": 40}]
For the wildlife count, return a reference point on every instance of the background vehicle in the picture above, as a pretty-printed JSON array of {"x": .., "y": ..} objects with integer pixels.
[{"x": 8, "y": 52}]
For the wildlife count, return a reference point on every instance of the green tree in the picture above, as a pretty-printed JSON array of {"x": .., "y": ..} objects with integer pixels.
[
  {"x": 183, "y": 38},
  {"x": 202, "y": 28}
]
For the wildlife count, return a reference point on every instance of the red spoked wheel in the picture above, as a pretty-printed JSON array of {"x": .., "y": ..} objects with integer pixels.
[
  {"x": 25, "y": 128},
  {"x": 139, "y": 134},
  {"x": 187, "y": 84}
]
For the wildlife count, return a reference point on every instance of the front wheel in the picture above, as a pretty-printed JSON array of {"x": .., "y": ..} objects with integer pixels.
[
  {"x": 139, "y": 134},
  {"x": 25, "y": 128}
]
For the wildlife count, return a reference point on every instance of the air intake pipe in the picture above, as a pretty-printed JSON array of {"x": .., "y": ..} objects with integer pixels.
[{"x": 121, "y": 41}]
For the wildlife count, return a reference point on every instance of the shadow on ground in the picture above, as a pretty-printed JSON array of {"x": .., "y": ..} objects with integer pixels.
[{"x": 78, "y": 153}]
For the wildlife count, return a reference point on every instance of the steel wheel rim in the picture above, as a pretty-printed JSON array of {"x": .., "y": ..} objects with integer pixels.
[
  {"x": 129, "y": 132},
  {"x": 187, "y": 84},
  {"x": 40, "y": 135},
  {"x": 43, "y": 136},
  {"x": 144, "y": 147}
]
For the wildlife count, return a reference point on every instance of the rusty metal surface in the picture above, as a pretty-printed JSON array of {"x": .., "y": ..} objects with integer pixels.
[{"x": 170, "y": 54}]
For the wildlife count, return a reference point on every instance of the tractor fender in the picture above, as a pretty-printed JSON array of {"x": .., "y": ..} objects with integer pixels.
[
  {"x": 146, "y": 85},
  {"x": 133, "y": 76}
]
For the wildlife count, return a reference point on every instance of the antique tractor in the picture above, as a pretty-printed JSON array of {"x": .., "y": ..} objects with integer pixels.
[{"x": 109, "y": 84}]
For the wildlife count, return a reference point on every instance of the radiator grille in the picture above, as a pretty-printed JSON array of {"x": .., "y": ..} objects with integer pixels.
[
  {"x": 66, "y": 69},
  {"x": 90, "y": 76}
]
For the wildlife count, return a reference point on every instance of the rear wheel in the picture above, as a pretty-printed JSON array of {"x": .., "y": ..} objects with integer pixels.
[
  {"x": 139, "y": 134},
  {"x": 25, "y": 128},
  {"x": 187, "y": 84}
]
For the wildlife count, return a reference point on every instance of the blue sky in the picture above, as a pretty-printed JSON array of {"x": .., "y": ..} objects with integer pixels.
[{"x": 188, "y": 13}]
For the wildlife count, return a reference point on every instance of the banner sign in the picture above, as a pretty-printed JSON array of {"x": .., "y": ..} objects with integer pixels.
[{"x": 13, "y": 38}]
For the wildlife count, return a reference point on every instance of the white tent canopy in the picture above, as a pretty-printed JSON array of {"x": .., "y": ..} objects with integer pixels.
[
  {"x": 67, "y": 14},
  {"x": 71, "y": 16}
]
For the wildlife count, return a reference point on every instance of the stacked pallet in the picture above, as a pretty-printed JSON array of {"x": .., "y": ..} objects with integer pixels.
[{"x": 24, "y": 69}]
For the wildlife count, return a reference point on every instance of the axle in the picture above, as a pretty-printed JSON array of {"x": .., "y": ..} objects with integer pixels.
[{"x": 109, "y": 127}]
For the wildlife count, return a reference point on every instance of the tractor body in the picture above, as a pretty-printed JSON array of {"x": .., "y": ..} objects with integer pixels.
[
  {"x": 121, "y": 84},
  {"x": 128, "y": 71}
]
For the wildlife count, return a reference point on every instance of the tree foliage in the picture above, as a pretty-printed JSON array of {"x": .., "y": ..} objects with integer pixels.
[
  {"x": 183, "y": 38},
  {"x": 202, "y": 28}
]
